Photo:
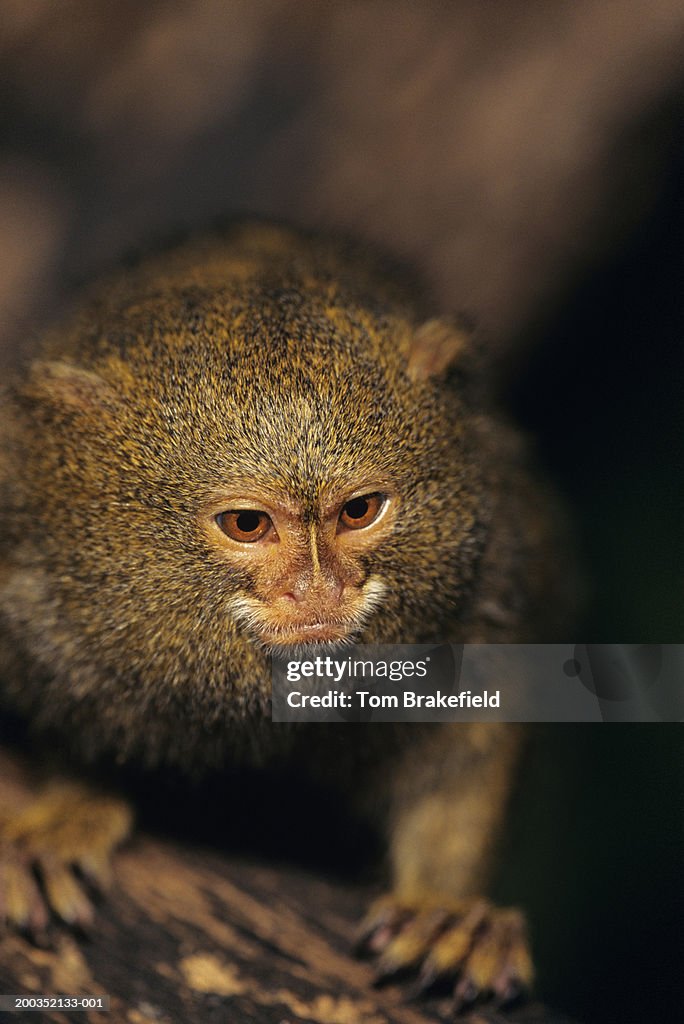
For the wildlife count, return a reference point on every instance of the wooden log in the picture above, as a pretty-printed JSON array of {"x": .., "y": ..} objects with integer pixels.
[{"x": 198, "y": 936}]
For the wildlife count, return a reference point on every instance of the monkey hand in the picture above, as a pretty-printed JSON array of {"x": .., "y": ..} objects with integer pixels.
[
  {"x": 479, "y": 948},
  {"x": 56, "y": 850}
]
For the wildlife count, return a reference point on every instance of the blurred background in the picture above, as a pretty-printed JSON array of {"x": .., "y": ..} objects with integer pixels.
[{"x": 528, "y": 159}]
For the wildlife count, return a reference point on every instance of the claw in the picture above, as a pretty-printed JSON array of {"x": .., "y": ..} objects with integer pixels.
[
  {"x": 392, "y": 965},
  {"x": 53, "y": 855},
  {"x": 483, "y": 948},
  {"x": 411, "y": 944},
  {"x": 508, "y": 992},
  {"x": 510, "y": 985},
  {"x": 378, "y": 928},
  {"x": 427, "y": 978},
  {"x": 96, "y": 871},
  {"x": 465, "y": 993},
  {"x": 22, "y": 904},
  {"x": 65, "y": 895}
]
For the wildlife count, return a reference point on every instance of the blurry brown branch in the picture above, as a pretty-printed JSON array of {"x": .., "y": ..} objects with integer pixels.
[{"x": 197, "y": 936}]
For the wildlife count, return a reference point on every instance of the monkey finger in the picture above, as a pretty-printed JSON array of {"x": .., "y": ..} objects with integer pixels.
[
  {"x": 410, "y": 946},
  {"x": 465, "y": 993},
  {"x": 499, "y": 964},
  {"x": 21, "y": 903},
  {"x": 452, "y": 947},
  {"x": 516, "y": 972},
  {"x": 96, "y": 868},
  {"x": 64, "y": 894},
  {"x": 383, "y": 921},
  {"x": 108, "y": 822}
]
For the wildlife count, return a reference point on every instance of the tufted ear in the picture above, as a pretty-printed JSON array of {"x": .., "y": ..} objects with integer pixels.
[
  {"x": 64, "y": 385},
  {"x": 436, "y": 347}
]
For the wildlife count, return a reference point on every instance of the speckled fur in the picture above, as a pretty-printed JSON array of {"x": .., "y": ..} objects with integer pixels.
[
  {"x": 302, "y": 367},
  {"x": 280, "y": 356}
]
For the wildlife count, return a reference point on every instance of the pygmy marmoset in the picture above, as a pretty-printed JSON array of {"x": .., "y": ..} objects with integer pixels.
[{"x": 255, "y": 440}]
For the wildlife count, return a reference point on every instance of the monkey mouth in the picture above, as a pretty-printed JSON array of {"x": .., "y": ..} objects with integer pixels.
[
  {"x": 337, "y": 629},
  {"x": 329, "y": 633}
]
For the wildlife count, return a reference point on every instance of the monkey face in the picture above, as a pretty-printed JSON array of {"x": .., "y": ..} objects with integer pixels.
[{"x": 310, "y": 581}]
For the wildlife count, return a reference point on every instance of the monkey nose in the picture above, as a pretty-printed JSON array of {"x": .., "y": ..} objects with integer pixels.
[{"x": 328, "y": 593}]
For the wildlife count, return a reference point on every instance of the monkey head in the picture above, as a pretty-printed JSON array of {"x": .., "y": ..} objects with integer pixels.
[{"x": 228, "y": 453}]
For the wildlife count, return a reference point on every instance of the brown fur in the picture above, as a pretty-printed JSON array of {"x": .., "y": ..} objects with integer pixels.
[{"x": 301, "y": 364}]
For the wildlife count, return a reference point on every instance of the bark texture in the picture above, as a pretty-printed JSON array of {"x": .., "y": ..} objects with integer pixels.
[{"x": 197, "y": 936}]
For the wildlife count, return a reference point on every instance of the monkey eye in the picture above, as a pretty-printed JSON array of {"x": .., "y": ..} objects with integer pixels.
[
  {"x": 244, "y": 524},
  {"x": 361, "y": 512}
]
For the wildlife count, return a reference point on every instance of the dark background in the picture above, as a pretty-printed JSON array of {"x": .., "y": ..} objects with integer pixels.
[
  {"x": 529, "y": 160},
  {"x": 598, "y": 843}
]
